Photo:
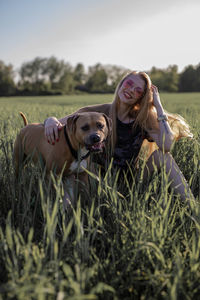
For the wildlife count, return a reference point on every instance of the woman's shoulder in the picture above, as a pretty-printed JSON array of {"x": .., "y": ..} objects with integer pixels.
[{"x": 102, "y": 108}]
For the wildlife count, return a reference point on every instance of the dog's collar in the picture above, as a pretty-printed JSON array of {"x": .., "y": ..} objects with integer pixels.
[{"x": 73, "y": 152}]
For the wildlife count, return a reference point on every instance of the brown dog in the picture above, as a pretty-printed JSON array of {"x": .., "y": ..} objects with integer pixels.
[{"x": 84, "y": 133}]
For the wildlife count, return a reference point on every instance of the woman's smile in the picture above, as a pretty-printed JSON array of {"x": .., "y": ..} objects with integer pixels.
[{"x": 127, "y": 95}]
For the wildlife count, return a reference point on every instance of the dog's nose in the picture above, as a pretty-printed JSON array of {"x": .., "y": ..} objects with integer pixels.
[{"x": 94, "y": 138}]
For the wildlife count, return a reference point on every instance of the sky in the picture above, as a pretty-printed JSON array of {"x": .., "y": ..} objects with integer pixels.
[{"x": 135, "y": 34}]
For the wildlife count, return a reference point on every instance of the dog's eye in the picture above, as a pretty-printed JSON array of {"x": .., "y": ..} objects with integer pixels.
[
  {"x": 85, "y": 127},
  {"x": 100, "y": 125}
]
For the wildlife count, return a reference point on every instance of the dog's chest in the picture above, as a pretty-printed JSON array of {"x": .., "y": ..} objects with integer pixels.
[{"x": 76, "y": 165}]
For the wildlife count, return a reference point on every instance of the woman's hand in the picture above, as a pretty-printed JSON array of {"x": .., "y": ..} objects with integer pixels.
[
  {"x": 51, "y": 127},
  {"x": 156, "y": 99}
]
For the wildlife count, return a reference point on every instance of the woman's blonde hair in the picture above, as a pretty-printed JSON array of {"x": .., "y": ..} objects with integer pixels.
[{"x": 145, "y": 113}]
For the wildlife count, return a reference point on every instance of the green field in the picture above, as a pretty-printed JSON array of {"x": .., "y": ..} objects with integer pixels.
[{"x": 121, "y": 244}]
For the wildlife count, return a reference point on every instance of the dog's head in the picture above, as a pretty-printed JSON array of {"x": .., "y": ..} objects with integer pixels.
[{"x": 90, "y": 129}]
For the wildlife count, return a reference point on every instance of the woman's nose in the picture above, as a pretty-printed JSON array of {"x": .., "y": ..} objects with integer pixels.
[{"x": 132, "y": 89}]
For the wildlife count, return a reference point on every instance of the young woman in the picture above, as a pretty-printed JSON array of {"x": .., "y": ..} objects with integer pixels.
[{"x": 138, "y": 116}]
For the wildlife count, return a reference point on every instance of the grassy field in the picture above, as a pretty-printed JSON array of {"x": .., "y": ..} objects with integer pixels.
[{"x": 122, "y": 244}]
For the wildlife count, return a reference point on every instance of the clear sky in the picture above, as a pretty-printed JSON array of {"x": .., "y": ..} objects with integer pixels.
[{"x": 136, "y": 34}]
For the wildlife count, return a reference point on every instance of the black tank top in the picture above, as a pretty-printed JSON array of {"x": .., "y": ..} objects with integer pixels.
[{"x": 129, "y": 142}]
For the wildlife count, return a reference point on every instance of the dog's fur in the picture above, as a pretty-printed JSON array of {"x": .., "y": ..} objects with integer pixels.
[{"x": 87, "y": 132}]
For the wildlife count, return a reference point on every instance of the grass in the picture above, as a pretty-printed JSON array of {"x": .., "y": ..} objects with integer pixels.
[{"x": 121, "y": 244}]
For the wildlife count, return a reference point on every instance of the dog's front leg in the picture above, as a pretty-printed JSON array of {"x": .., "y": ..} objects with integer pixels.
[
  {"x": 68, "y": 186},
  {"x": 83, "y": 178},
  {"x": 83, "y": 186}
]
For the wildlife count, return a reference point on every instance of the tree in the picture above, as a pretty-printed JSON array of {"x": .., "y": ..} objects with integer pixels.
[
  {"x": 63, "y": 82},
  {"x": 7, "y": 84},
  {"x": 79, "y": 74},
  {"x": 54, "y": 70},
  {"x": 33, "y": 71},
  {"x": 79, "y": 77},
  {"x": 45, "y": 76},
  {"x": 165, "y": 79},
  {"x": 171, "y": 79},
  {"x": 66, "y": 83},
  {"x": 190, "y": 79},
  {"x": 97, "y": 80},
  {"x": 114, "y": 75}
]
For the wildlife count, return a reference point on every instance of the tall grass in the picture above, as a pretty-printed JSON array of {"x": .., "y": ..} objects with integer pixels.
[{"x": 122, "y": 243}]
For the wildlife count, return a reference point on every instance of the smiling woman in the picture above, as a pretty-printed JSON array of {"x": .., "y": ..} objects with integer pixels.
[{"x": 137, "y": 117}]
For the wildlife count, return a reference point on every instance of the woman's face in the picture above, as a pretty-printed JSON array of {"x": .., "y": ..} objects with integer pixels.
[{"x": 132, "y": 89}]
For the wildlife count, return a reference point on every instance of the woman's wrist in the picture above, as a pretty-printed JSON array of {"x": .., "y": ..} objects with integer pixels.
[{"x": 162, "y": 117}]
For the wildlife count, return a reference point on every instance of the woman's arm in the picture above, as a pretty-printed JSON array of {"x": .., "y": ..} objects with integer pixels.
[
  {"x": 164, "y": 135},
  {"x": 52, "y": 125}
]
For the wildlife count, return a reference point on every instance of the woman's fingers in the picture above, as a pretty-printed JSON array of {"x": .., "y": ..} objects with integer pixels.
[
  {"x": 51, "y": 136},
  {"x": 48, "y": 135},
  {"x": 156, "y": 97},
  {"x": 154, "y": 88},
  {"x": 52, "y": 125},
  {"x": 56, "y": 131}
]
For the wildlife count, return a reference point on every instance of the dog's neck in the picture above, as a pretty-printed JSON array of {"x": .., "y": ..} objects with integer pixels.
[{"x": 79, "y": 152}]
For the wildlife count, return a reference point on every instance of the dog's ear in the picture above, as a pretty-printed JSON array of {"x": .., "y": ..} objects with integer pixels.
[
  {"x": 71, "y": 123},
  {"x": 109, "y": 123}
]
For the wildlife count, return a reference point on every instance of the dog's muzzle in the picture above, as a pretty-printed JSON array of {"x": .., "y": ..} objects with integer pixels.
[{"x": 94, "y": 143}]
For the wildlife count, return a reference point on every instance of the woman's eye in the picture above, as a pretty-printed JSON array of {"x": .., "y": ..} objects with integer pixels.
[
  {"x": 128, "y": 83},
  {"x": 85, "y": 127},
  {"x": 139, "y": 90}
]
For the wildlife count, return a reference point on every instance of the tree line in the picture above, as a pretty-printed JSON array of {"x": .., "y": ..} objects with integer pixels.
[{"x": 50, "y": 76}]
